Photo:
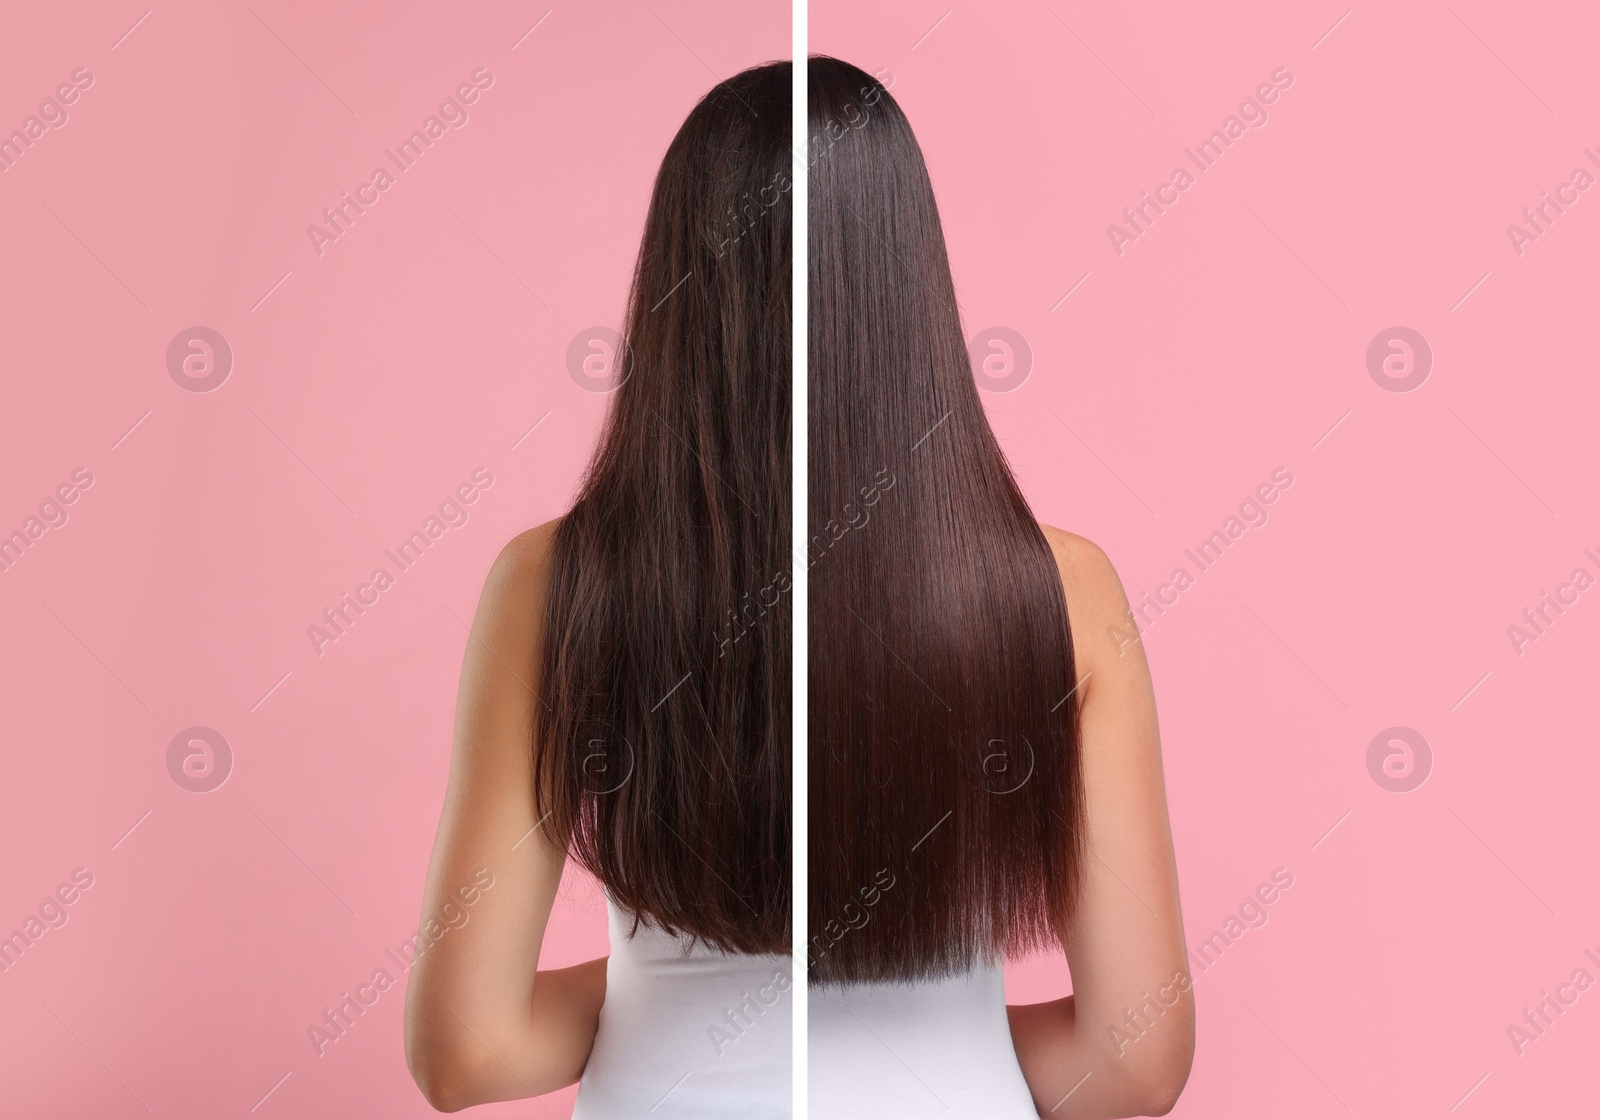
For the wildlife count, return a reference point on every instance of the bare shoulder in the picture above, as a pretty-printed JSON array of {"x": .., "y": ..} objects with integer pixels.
[
  {"x": 511, "y": 606},
  {"x": 1097, "y": 605},
  {"x": 522, "y": 569},
  {"x": 529, "y": 551},
  {"x": 1091, "y": 582}
]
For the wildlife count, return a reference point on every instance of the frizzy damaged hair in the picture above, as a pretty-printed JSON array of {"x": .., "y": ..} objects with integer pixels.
[
  {"x": 945, "y": 801},
  {"x": 663, "y": 755}
]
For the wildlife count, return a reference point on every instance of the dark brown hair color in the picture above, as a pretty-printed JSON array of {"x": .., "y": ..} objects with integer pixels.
[
  {"x": 662, "y": 747},
  {"x": 944, "y": 800}
]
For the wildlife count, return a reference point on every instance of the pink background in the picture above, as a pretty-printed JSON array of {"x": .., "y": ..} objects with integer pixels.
[
  {"x": 371, "y": 382},
  {"x": 374, "y": 379},
  {"x": 1227, "y": 342}
]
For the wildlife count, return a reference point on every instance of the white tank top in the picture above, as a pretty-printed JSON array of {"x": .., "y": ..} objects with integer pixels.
[
  {"x": 884, "y": 1051},
  {"x": 688, "y": 1034}
]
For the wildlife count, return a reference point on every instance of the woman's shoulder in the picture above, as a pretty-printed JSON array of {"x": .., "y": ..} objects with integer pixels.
[
  {"x": 529, "y": 550},
  {"x": 521, "y": 573},
  {"x": 1096, "y": 601},
  {"x": 1085, "y": 569}
]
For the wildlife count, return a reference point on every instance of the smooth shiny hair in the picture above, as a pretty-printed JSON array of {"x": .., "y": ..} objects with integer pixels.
[
  {"x": 945, "y": 802},
  {"x": 663, "y": 755}
]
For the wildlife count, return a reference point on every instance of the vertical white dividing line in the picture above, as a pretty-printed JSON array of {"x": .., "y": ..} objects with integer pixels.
[{"x": 798, "y": 553}]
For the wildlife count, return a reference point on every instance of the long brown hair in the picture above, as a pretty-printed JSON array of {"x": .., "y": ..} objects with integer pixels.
[
  {"x": 663, "y": 756},
  {"x": 945, "y": 799}
]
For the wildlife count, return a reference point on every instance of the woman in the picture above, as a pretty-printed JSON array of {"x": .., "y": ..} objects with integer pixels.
[
  {"x": 624, "y": 699},
  {"x": 985, "y": 767}
]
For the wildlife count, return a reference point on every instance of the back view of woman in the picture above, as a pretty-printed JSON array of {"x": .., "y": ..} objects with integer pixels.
[
  {"x": 985, "y": 774},
  {"x": 624, "y": 700}
]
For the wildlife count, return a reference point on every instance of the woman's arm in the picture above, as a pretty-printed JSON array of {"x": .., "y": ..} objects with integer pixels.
[
  {"x": 482, "y": 1023},
  {"x": 1122, "y": 1043}
]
